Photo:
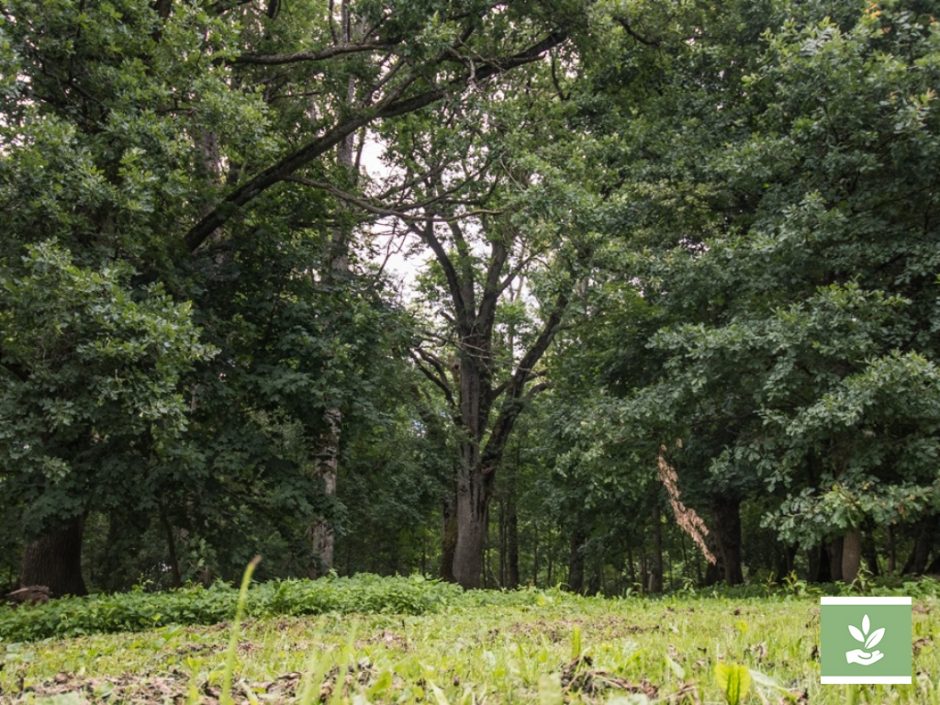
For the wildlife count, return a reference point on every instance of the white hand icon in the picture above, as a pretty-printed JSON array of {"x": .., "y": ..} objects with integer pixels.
[{"x": 863, "y": 658}]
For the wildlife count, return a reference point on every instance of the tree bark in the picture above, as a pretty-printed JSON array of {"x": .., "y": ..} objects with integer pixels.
[
  {"x": 820, "y": 570},
  {"x": 449, "y": 539},
  {"x": 728, "y": 529},
  {"x": 835, "y": 559},
  {"x": 55, "y": 560},
  {"x": 892, "y": 551},
  {"x": 920, "y": 554},
  {"x": 472, "y": 508},
  {"x": 851, "y": 555},
  {"x": 322, "y": 538},
  {"x": 576, "y": 560},
  {"x": 512, "y": 546},
  {"x": 870, "y": 551},
  {"x": 171, "y": 547}
]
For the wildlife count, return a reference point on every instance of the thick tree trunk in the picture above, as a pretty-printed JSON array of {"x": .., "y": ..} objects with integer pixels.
[
  {"x": 472, "y": 506},
  {"x": 851, "y": 555},
  {"x": 728, "y": 530},
  {"x": 55, "y": 560}
]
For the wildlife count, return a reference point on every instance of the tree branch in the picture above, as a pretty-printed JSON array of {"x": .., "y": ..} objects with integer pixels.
[{"x": 279, "y": 171}]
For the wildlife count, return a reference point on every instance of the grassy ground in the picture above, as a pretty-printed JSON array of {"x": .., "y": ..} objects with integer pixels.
[{"x": 553, "y": 649}]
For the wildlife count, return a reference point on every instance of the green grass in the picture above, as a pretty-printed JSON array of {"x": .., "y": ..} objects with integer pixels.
[{"x": 472, "y": 648}]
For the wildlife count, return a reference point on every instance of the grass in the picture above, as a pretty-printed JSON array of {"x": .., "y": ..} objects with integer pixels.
[{"x": 525, "y": 647}]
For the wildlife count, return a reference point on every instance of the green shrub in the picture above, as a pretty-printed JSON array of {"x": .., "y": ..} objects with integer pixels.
[{"x": 138, "y": 610}]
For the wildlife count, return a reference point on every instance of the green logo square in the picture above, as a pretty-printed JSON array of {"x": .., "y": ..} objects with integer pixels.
[{"x": 865, "y": 640}]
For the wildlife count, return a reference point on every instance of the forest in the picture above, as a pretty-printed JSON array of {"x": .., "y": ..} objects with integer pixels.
[{"x": 614, "y": 296}]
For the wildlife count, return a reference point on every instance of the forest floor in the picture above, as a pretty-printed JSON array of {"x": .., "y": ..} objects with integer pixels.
[{"x": 555, "y": 650}]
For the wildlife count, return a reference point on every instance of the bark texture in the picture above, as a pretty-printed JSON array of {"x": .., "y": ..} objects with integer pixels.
[
  {"x": 851, "y": 555},
  {"x": 54, "y": 560}
]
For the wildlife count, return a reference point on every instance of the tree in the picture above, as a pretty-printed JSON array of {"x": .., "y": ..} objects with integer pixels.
[
  {"x": 792, "y": 295},
  {"x": 92, "y": 388},
  {"x": 165, "y": 136}
]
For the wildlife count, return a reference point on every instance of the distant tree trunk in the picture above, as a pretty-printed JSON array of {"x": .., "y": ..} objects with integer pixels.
[
  {"x": 713, "y": 573},
  {"x": 892, "y": 551},
  {"x": 851, "y": 555},
  {"x": 512, "y": 527},
  {"x": 656, "y": 574},
  {"x": 644, "y": 571},
  {"x": 535, "y": 558},
  {"x": 920, "y": 553},
  {"x": 512, "y": 548},
  {"x": 596, "y": 584},
  {"x": 576, "y": 560},
  {"x": 785, "y": 559},
  {"x": 835, "y": 559},
  {"x": 727, "y": 512},
  {"x": 55, "y": 560},
  {"x": 449, "y": 539},
  {"x": 171, "y": 547},
  {"x": 631, "y": 570},
  {"x": 322, "y": 537},
  {"x": 820, "y": 568},
  {"x": 870, "y": 552}
]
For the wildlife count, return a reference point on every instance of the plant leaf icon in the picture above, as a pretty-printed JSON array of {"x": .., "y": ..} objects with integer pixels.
[
  {"x": 866, "y": 625},
  {"x": 875, "y": 638},
  {"x": 856, "y": 634}
]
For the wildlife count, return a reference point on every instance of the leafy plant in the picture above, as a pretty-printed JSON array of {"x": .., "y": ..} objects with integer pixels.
[{"x": 734, "y": 680}]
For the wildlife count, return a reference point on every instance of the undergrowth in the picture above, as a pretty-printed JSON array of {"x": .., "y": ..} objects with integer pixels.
[{"x": 138, "y": 610}]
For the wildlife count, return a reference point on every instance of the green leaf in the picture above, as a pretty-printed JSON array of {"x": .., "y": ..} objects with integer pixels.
[{"x": 734, "y": 680}]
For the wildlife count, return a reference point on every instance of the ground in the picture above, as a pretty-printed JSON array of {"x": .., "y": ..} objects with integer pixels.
[{"x": 554, "y": 650}]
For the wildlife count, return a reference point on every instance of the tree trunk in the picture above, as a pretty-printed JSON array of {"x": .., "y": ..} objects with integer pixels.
[
  {"x": 851, "y": 555},
  {"x": 55, "y": 560},
  {"x": 728, "y": 529},
  {"x": 512, "y": 528},
  {"x": 920, "y": 553},
  {"x": 171, "y": 547},
  {"x": 472, "y": 507},
  {"x": 576, "y": 560},
  {"x": 535, "y": 558},
  {"x": 449, "y": 540},
  {"x": 835, "y": 559},
  {"x": 512, "y": 548},
  {"x": 820, "y": 569},
  {"x": 322, "y": 538},
  {"x": 656, "y": 574},
  {"x": 892, "y": 551},
  {"x": 322, "y": 533},
  {"x": 870, "y": 551}
]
